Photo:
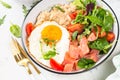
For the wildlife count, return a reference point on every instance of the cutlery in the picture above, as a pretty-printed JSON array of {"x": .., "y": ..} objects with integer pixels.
[{"x": 21, "y": 57}]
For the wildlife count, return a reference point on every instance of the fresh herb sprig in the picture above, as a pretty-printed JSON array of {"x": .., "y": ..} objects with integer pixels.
[
  {"x": 25, "y": 10},
  {"x": 2, "y": 20},
  {"x": 5, "y": 4},
  {"x": 51, "y": 53}
]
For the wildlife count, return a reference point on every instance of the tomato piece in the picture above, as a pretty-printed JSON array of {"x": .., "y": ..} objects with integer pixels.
[
  {"x": 110, "y": 36},
  {"x": 55, "y": 65},
  {"x": 75, "y": 27},
  {"x": 73, "y": 15},
  {"x": 29, "y": 28}
]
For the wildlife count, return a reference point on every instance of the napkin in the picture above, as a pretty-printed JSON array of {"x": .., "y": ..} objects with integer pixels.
[{"x": 116, "y": 74}]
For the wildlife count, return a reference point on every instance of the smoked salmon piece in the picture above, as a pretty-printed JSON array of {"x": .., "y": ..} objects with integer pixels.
[
  {"x": 68, "y": 67},
  {"x": 68, "y": 59},
  {"x": 92, "y": 37},
  {"x": 74, "y": 51},
  {"x": 84, "y": 49},
  {"x": 93, "y": 55}
]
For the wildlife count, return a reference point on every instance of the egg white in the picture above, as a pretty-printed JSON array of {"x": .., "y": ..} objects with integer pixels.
[{"x": 62, "y": 45}]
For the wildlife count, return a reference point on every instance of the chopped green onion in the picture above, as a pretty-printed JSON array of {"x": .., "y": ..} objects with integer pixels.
[{"x": 59, "y": 8}]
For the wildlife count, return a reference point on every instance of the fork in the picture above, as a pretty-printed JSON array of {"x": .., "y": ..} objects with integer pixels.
[
  {"x": 21, "y": 57},
  {"x": 22, "y": 61}
]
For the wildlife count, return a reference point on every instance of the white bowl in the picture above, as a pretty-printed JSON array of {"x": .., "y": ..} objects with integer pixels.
[{"x": 47, "y": 4}]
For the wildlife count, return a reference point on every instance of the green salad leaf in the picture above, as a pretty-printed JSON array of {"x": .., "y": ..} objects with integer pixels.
[
  {"x": 100, "y": 44},
  {"x": 15, "y": 30},
  {"x": 85, "y": 63},
  {"x": 2, "y": 20},
  {"x": 100, "y": 13},
  {"x": 81, "y": 19},
  {"x": 5, "y": 4},
  {"x": 95, "y": 20},
  {"x": 108, "y": 22}
]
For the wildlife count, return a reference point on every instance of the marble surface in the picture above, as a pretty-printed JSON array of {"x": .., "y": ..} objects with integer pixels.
[{"x": 9, "y": 70}]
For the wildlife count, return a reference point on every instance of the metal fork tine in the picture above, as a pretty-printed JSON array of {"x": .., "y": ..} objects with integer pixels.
[
  {"x": 19, "y": 56},
  {"x": 16, "y": 59}
]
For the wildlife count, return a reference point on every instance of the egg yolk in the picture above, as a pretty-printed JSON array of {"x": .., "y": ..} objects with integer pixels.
[{"x": 51, "y": 32}]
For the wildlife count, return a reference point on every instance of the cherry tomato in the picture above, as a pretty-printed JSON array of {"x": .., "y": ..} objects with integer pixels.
[
  {"x": 29, "y": 28},
  {"x": 110, "y": 36}
]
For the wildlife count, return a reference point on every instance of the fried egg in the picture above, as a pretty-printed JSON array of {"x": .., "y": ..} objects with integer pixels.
[{"x": 53, "y": 31}]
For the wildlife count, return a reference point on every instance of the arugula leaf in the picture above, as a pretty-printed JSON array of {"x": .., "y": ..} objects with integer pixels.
[
  {"x": 2, "y": 20},
  {"x": 100, "y": 13},
  {"x": 74, "y": 35},
  {"x": 25, "y": 10},
  {"x": 103, "y": 18},
  {"x": 49, "y": 55},
  {"x": 99, "y": 44},
  {"x": 86, "y": 63},
  {"x": 15, "y": 30},
  {"x": 59, "y": 8},
  {"x": 95, "y": 20},
  {"x": 5, "y": 4},
  {"x": 80, "y": 19}
]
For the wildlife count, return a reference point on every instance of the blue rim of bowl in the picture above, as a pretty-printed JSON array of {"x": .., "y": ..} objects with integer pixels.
[{"x": 78, "y": 71}]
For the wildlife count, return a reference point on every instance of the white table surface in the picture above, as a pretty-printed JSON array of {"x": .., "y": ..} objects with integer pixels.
[{"x": 9, "y": 70}]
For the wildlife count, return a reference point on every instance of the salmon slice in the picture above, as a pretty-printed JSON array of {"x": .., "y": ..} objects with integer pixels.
[
  {"x": 84, "y": 49},
  {"x": 92, "y": 37},
  {"x": 93, "y": 55},
  {"x": 74, "y": 51},
  {"x": 68, "y": 67},
  {"x": 68, "y": 59}
]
